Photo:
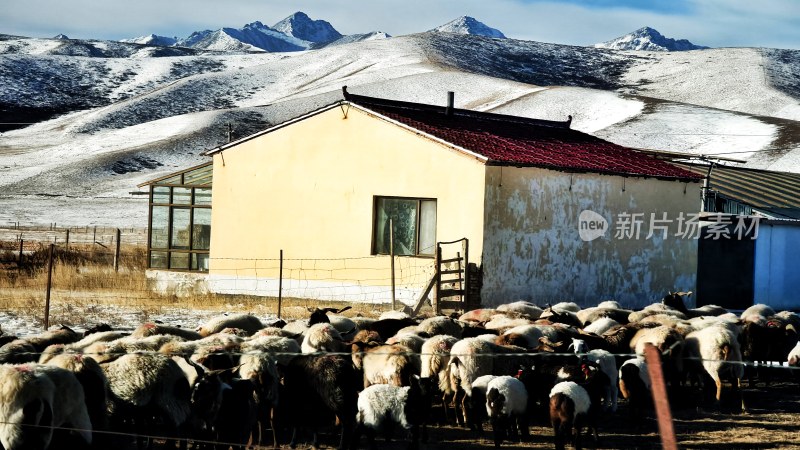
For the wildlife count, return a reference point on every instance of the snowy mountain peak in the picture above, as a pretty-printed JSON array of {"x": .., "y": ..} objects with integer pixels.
[
  {"x": 649, "y": 39},
  {"x": 469, "y": 25},
  {"x": 60, "y": 36},
  {"x": 152, "y": 39},
  {"x": 300, "y": 26}
]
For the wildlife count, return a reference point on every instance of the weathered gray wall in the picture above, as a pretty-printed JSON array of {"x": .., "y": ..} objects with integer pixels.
[{"x": 532, "y": 249}]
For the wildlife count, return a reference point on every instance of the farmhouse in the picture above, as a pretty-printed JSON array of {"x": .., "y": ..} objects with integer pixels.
[{"x": 516, "y": 208}]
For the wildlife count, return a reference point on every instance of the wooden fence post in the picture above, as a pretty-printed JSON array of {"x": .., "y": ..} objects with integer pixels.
[
  {"x": 660, "y": 399},
  {"x": 280, "y": 284},
  {"x": 67, "y": 238},
  {"x": 391, "y": 257},
  {"x": 116, "y": 252},
  {"x": 49, "y": 286},
  {"x": 19, "y": 258}
]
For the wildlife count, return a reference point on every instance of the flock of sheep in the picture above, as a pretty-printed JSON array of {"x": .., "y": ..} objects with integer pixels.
[{"x": 236, "y": 381}]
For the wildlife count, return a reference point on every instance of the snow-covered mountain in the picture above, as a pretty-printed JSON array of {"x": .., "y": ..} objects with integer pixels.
[
  {"x": 300, "y": 26},
  {"x": 152, "y": 39},
  {"x": 469, "y": 25},
  {"x": 294, "y": 33},
  {"x": 351, "y": 38},
  {"x": 647, "y": 38},
  {"x": 110, "y": 115}
]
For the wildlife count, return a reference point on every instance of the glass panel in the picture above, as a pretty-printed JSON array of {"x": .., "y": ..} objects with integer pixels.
[
  {"x": 178, "y": 260},
  {"x": 201, "y": 234},
  {"x": 403, "y": 212},
  {"x": 182, "y": 196},
  {"x": 180, "y": 228},
  {"x": 202, "y": 196},
  {"x": 159, "y": 227},
  {"x": 171, "y": 180},
  {"x": 158, "y": 260},
  {"x": 200, "y": 262},
  {"x": 200, "y": 175},
  {"x": 427, "y": 227},
  {"x": 160, "y": 194}
]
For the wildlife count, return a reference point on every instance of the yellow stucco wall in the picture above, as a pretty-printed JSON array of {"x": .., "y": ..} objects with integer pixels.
[
  {"x": 533, "y": 249},
  {"x": 308, "y": 189}
]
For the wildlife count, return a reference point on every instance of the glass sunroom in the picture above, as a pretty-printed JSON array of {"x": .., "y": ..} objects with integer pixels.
[{"x": 179, "y": 223}]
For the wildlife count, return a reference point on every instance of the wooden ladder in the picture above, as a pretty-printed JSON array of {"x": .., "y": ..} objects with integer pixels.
[{"x": 450, "y": 279}]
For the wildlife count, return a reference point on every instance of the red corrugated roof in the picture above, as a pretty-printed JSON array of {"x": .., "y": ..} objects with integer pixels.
[{"x": 518, "y": 141}]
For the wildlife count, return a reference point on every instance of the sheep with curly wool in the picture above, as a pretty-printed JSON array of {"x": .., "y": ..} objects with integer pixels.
[
  {"x": 147, "y": 387},
  {"x": 94, "y": 383},
  {"x": 152, "y": 329},
  {"x": 26, "y": 398},
  {"x": 759, "y": 309},
  {"x": 522, "y": 307},
  {"x": 569, "y": 404},
  {"x": 247, "y": 322},
  {"x": 322, "y": 337},
  {"x": 435, "y": 364},
  {"x": 506, "y": 405},
  {"x": 384, "y": 364},
  {"x": 600, "y": 326},
  {"x": 715, "y": 349},
  {"x": 436, "y": 325},
  {"x": 380, "y": 406}
]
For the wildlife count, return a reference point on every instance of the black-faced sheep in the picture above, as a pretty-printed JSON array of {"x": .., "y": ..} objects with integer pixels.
[
  {"x": 569, "y": 404},
  {"x": 506, "y": 405}
]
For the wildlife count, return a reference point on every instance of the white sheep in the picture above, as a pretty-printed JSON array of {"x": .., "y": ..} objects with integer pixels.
[
  {"x": 436, "y": 325},
  {"x": 794, "y": 356},
  {"x": 609, "y": 304},
  {"x": 26, "y": 398},
  {"x": 382, "y": 405},
  {"x": 569, "y": 405},
  {"x": 69, "y": 401},
  {"x": 759, "y": 309},
  {"x": 322, "y": 337},
  {"x": 385, "y": 364},
  {"x": 246, "y": 322},
  {"x": 634, "y": 384},
  {"x": 150, "y": 384},
  {"x": 506, "y": 405},
  {"x": 717, "y": 349},
  {"x": 600, "y": 326},
  {"x": 608, "y": 365},
  {"x": 522, "y": 307},
  {"x": 504, "y": 321}
]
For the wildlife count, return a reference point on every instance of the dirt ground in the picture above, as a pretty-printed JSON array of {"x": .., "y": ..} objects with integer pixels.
[{"x": 772, "y": 421}]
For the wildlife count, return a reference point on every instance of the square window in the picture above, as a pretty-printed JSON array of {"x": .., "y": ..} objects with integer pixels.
[{"x": 413, "y": 222}]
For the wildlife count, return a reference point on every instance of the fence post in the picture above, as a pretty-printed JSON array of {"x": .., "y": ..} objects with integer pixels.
[
  {"x": 94, "y": 235},
  {"x": 660, "y": 399},
  {"x": 391, "y": 258},
  {"x": 67, "y": 238},
  {"x": 19, "y": 258},
  {"x": 49, "y": 286},
  {"x": 116, "y": 252},
  {"x": 280, "y": 284}
]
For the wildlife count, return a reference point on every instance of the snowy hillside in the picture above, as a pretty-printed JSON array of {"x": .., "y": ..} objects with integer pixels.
[
  {"x": 153, "y": 39},
  {"x": 469, "y": 25},
  {"x": 648, "y": 39},
  {"x": 106, "y": 124}
]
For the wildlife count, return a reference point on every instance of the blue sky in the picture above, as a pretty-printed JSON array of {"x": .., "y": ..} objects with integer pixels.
[{"x": 716, "y": 23}]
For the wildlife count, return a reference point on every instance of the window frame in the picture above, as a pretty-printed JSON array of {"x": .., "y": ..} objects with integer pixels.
[
  {"x": 168, "y": 182},
  {"x": 417, "y": 228}
]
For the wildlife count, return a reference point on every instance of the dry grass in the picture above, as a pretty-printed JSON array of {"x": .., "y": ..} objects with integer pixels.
[{"x": 84, "y": 282}]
